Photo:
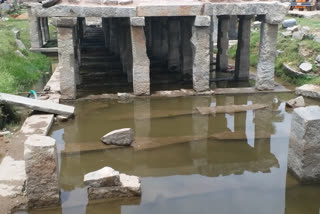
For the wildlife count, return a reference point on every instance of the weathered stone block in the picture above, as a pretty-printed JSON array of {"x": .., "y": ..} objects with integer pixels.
[
  {"x": 121, "y": 137},
  {"x": 105, "y": 177},
  {"x": 296, "y": 102},
  {"x": 304, "y": 146},
  {"x": 130, "y": 187},
  {"x": 202, "y": 21},
  {"x": 309, "y": 90},
  {"x": 41, "y": 164},
  {"x": 137, "y": 21}
]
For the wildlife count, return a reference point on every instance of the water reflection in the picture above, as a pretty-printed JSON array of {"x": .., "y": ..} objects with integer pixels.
[{"x": 230, "y": 163}]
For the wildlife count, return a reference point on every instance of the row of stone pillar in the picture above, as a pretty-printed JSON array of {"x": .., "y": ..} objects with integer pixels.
[{"x": 197, "y": 38}]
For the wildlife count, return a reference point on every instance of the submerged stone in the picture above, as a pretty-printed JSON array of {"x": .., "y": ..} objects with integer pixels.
[{"x": 120, "y": 137}]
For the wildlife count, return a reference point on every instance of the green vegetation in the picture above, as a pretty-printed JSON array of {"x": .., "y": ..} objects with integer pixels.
[
  {"x": 18, "y": 73},
  {"x": 8, "y": 115},
  {"x": 294, "y": 52}
]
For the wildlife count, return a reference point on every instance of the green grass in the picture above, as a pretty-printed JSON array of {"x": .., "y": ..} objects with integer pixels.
[
  {"x": 290, "y": 55},
  {"x": 18, "y": 74}
]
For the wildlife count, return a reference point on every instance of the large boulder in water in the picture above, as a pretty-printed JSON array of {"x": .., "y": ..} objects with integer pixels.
[{"x": 119, "y": 137}]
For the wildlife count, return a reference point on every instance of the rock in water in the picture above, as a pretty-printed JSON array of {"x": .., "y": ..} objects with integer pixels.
[
  {"x": 105, "y": 177},
  {"x": 130, "y": 186},
  {"x": 297, "y": 102},
  {"x": 120, "y": 137},
  {"x": 309, "y": 90},
  {"x": 305, "y": 67},
  {"x": 289, "y": 23}
]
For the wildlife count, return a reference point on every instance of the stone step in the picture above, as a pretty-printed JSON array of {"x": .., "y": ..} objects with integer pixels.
[{"x": 100, "y": 65}]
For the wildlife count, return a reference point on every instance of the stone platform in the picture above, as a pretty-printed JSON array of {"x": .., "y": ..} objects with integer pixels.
[{"x": 140, "y": 43}]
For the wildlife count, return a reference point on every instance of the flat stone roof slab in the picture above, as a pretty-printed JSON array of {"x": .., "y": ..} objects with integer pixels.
[{"x": 274, "y": 10}]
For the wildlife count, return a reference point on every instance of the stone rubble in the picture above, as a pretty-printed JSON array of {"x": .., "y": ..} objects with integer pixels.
[
  {"x": 289, "y": 23},
  {"x": 119, "y": 137},
  {"x": 306, "y": 67},
  {"x": 107, "y": 183},
  {"x": 296, "y": 102}
]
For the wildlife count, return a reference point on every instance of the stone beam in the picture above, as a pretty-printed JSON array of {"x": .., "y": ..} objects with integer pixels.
[
  {"x": 267, "y": 55},
  {"x": 69, "y": 10},
  {"x": 169, "y": 9},
  {"x": 67, "y": 59},
  {"x": 200, "y": 48},
  {"x": 274, "y": 10},
  {"x": 223, "y": 43},
  {"x": 140, "y": 60},
  {"x": 186, "y": 48},
  {"x": 243, "y": 50}
]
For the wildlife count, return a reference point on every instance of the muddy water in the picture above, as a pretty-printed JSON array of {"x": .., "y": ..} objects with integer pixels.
[{"x": 223, "y": 163}]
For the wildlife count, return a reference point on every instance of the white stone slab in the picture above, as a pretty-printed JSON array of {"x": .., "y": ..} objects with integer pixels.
[{"x": 39, "y": 105}]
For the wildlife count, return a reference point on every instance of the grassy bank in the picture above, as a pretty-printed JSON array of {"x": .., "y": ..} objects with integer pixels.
[
  {"x": 293, "y": 52},
  {"x": 18, "y": 73}
]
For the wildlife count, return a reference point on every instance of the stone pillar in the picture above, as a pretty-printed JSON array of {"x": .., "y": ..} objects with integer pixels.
[
  {"x": 233, "y": 34},
  {"x": 200, "y": 51},
  {"x": 45, "y": 29},
  {"x": 267, "y": 55},
  {"x": 223, "y": 43},
  {"x": 140, "y": 60},
  {"x": 186, "y": 48},
  {"x": 243, "y": 49},
  {"x": 125, "y": 48},
  {"x": 67, "y": 56},
  {"x": 35, "y": 30},
  {"x": 113, "y": 30},
  {"x": 156, "y": 37},
  {"x": 213, "y": 38},
  {"x": 174, "y": 44},
  {"x": 304, "y": 145},
  {"x": 41, "y": 164}
]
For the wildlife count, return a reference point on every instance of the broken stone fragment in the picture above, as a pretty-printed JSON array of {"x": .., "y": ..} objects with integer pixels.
[
  {"x": 130, "y": 186},
  {"x": 289, "y": 23},
  {"x": 105, "y": 177},
  {"x": 296, "y": 102},
  {"x": 61, "y": 118},
  {"x": 309, "y": 90},
  {"x": 20, "y": 44},
  {"x": 306, "y": 67},
  {"x": 120, "y": 137},
  {"x": 49, "y": 3}
]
